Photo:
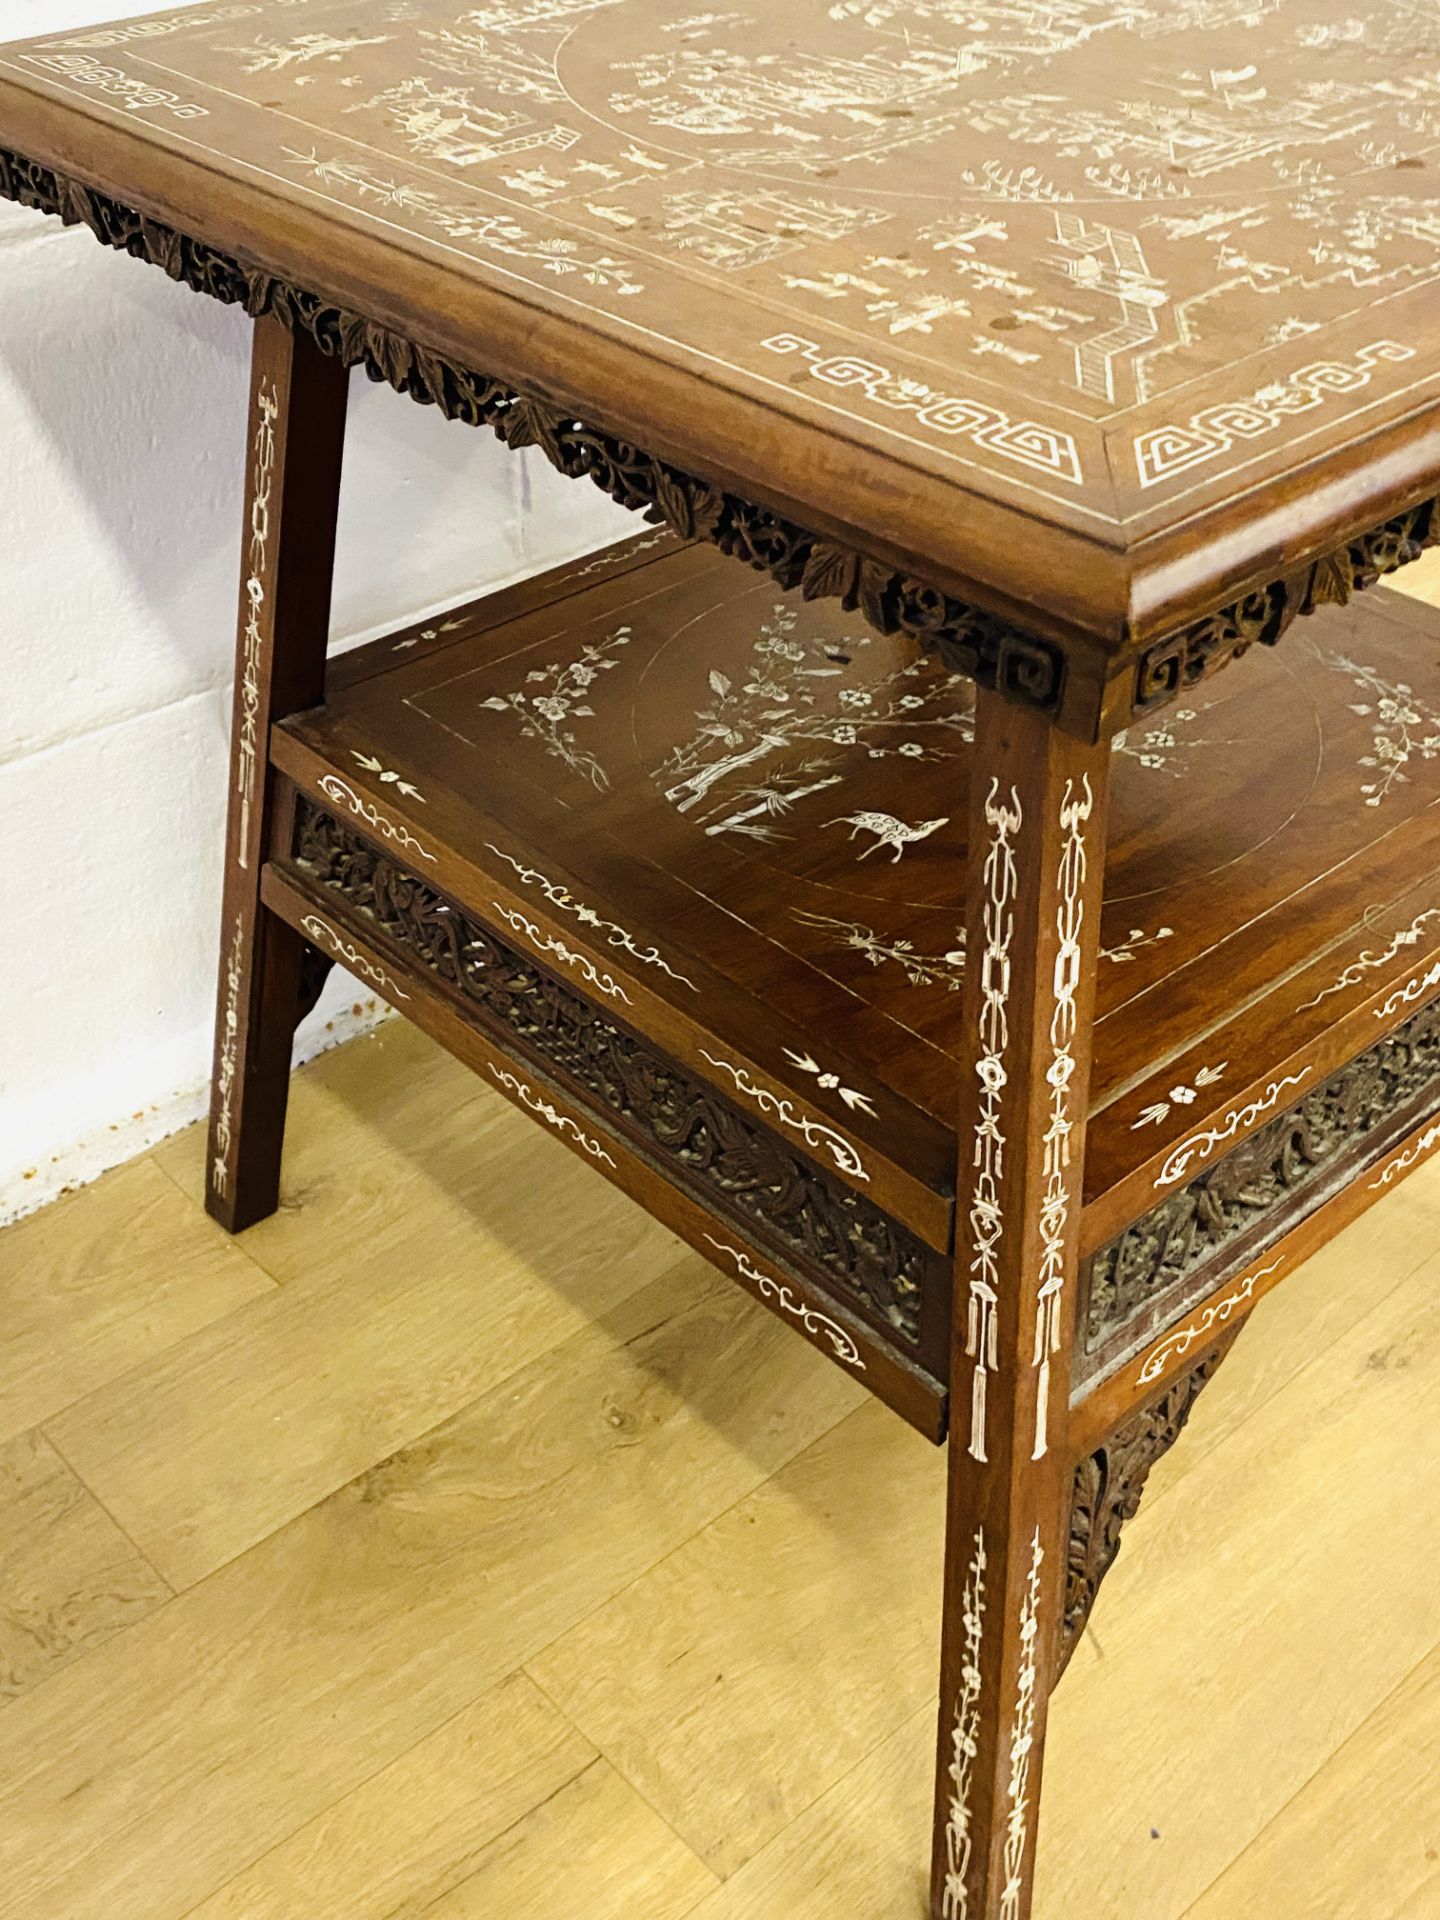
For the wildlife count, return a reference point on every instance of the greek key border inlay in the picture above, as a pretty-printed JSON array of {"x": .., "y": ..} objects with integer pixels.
[{"x": 1024, "y": 667}]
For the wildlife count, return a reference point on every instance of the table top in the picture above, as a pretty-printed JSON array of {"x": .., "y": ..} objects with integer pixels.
[{"x": 1087, "y": 307}]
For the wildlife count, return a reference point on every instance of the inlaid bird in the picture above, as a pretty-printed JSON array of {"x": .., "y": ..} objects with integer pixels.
[{"x": 888, "y": 831}]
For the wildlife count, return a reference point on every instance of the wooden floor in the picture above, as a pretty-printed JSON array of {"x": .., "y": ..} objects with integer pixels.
[{"x": 458, "y": 1545}]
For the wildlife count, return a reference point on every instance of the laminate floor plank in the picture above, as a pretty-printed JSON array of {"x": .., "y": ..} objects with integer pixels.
[
  {"x": 381, "y": 1331},
  {"x": 69, "y": 1578},
  {"x": 134, "y": 1786},
  {"x": 593, "y": 1852},
  {"x": 103, "y": 1280},
  {"x": 737, "y": 1680},
  {"x": 416, "y": 1829},
  {"x": 1254, "y": 1620},
  {"x": 1361, "y": 1840},
  {"x": 718, "y": 1559},
  {"x": 385, "y": 1092},
  {"x": 1243, "y": 1647}
]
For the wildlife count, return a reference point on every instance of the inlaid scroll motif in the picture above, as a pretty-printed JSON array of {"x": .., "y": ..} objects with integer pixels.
[
  {"x": 813, "y": 1132},
  {"x": 820, "y": 1325},
  {"x": 229, "y": 1057},
  {"x": 1415, "y": 988},
  {"x": 1411, "y": 1156},
  {"x": 1352, "y": 975},
  {"x": 1022, "y": 1743},
  {"x": 520, "y": 923},
  {"x": 254, "y": 640},
  {"x": 1075, "y": 809},
  {"x": 344, "y": 795},
  {"x": 321, "y": 933},
  {"x": 615, "y": 935},
  {"x": 1218, "y": 1314},
  {"x": 987, "y": 1216},
  {"x": 958, "y": 1839},
  {"x": 561, "y": 1122},
  {"x": 1201, "y": 1145}
]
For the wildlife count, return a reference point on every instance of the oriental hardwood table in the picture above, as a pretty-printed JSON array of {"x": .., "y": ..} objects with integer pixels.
[{"x": 916, "y": 923}]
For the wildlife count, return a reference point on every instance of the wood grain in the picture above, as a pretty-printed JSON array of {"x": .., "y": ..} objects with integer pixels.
[
  {"x": 102, "y": 1281},
  {"x": 593, "y": 1852},
  {"x": 1045, "y": 461},
  {"x": 133, "y": 1786},
  {"x": 416, "y": 1829},
  {"x": 69, "y": 1578},
  {"x": 1359, "y": 1839},
  {"x": 377, "y": 1336},
  {"x": 785, "y": 1611},
  {"x": 1218, "y": 1644}
]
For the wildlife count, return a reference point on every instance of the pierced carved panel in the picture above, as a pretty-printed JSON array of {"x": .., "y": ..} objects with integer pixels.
[
  {"x": 1110, "y": 1482},
  {"x": 1183, "y": 661},
  {"x": 1258, "y": 1189},
  {"x": 725, "y": 1157}
]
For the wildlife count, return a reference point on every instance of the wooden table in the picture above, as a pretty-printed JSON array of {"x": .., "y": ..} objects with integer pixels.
[{"x": 914, "y": 922}]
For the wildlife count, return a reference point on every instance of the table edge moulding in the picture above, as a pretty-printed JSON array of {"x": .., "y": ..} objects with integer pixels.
[
  {"x": 1091, "y": 630},
  {"x": 1031, "y": 1213}
]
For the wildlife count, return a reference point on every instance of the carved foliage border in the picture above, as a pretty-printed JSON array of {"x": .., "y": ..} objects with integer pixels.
[
  {"x": 1024, "y": 667},
  {"x": 975, "y": 643},
  {"x": 1110, "y": 1482},
  {"x": 1263, "y": 618},
  {"x": 832, "y": 1230},
  {"x": 1257, "y": 1186}
]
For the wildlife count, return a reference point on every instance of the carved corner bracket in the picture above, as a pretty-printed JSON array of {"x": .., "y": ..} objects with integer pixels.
[
  {"x": 1110, "y": 1482},
  {"x": 1263, "y": 618},
  {"x": 1023, "y": 667}
]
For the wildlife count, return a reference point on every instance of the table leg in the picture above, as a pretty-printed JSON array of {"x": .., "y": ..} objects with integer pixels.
[
  {"x": 1037, "y": 839},
  {"x": 292, "y": 493}
]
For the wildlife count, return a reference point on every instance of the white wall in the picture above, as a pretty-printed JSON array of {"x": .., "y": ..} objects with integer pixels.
[{"x": 122, "y": 424}]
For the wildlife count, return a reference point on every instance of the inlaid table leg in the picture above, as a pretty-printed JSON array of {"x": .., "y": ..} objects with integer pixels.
[
  {"x": 292, "y": 492},
  {"x": 1037, "y": 839}
]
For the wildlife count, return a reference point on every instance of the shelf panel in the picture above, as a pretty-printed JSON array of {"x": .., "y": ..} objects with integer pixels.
[{"x": 737, "y": 822}]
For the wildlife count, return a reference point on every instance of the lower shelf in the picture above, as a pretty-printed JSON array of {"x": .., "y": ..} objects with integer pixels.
[{"x": 685, "y": 860}]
